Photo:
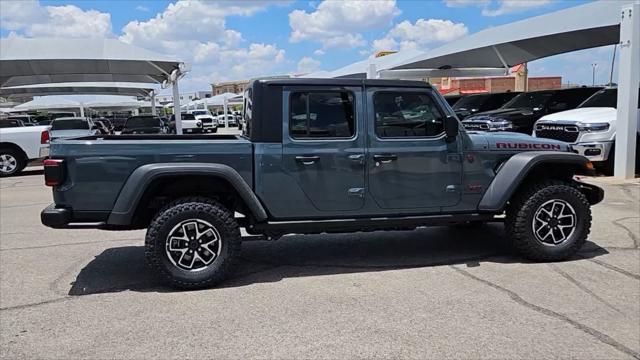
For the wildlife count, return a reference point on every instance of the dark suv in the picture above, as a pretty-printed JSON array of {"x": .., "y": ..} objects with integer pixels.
[
  {"x": 521, "y": 112},
  {"x": 472, "y": 104}
]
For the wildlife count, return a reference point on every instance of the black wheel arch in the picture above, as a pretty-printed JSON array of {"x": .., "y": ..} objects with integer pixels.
[
  {"x": 12, "y": 146},
  {"x": 524, "y": 168},
  {"x": 174, "y": 180}
]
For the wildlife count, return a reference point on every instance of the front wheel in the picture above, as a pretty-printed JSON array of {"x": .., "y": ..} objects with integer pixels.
[
  {"x": 548, "y": 221},
  {"x": 193, "y": 242}
]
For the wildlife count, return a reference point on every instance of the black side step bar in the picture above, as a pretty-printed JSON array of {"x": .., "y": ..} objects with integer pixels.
[{"x": 366, "y": 224}]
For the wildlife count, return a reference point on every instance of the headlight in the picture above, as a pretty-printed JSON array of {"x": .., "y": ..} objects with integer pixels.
[
  {"x": 500, "y": 124},
  {"x": 591, "y": 127}
]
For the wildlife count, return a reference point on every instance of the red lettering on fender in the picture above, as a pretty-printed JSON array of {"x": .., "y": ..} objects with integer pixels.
[{"x": 528, "y": 146}]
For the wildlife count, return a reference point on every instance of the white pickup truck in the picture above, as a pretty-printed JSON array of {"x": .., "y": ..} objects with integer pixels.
[
  {"x": 590, "y": 128},
  {"x": 209, "y": 124},
  {"x": 21, "y": 145}
]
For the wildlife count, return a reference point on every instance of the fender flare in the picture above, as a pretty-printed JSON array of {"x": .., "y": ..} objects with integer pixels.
[
  {"x": 515, "y": 170},
  {"x": 138, "y": 182}
]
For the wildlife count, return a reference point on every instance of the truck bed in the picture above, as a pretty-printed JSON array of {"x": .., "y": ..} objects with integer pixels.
[
  {"x": 98, "y": 166},
  {"x": 162, "y": 137}
]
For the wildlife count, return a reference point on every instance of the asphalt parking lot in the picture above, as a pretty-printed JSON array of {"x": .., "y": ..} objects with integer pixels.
[{"x": 429, "y": 293}]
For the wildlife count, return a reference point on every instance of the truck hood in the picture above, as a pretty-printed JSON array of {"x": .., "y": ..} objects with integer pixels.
[
  {"x": 517, "y": 142},
  {"x": 584, "y": 115}
]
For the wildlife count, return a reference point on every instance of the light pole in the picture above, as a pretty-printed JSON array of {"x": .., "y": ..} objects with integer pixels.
[{"x": 593, "y": 73}]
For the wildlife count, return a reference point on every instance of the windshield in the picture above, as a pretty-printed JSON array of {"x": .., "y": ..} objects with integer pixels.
[
  {"x": 70, "y": 124},
  {"x": 532, "y": 100},
  {"x": 142, "y": 121},
  {"x": 59, "y": 115},
  {"x": 603, "y": 98},
  {"x": 200, "y": 112},
  {"x": 8, "y": 123},
  {"x": 470, "y": 102}
]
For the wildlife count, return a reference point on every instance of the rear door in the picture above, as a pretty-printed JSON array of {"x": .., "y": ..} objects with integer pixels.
[
  {"x": 410, "y": 165},
  {"x": 323, "y": 147}
]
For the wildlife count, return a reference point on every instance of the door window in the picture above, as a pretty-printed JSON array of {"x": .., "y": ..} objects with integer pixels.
[
  {"x": 401, "y": 114},
  {"x": 328, "y": 114}
]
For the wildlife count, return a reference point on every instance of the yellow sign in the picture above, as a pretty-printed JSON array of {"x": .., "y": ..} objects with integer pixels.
[{"x": 384, "y": 53}]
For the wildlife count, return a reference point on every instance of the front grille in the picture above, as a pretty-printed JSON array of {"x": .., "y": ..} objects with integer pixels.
[
  {"x": 475, "y": 126},
  {"x": 207, "y": 120},
  {"x": 566, "y": 133}
]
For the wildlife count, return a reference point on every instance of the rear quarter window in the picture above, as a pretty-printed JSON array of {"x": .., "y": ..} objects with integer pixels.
[{"x": 326, "y": 114}]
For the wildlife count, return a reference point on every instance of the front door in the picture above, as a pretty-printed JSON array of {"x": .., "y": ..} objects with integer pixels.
[
  {"x": 323, "y": 148},
  {"x": 410, "y": 164}
]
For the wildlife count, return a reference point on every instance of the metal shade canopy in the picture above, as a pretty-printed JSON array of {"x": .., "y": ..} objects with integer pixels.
[
  {"x": 580, "y": 27},
  {"x": 40, "y": 61},
  {"x": 93, "y": 88},
  {"x": 47, "y": 103}
]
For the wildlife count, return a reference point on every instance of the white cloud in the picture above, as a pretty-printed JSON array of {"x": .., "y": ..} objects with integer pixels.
[
  {"x": 339, "y": 23},
  {"x": 307, "y": 65},
  {"x": 319, "y": 52},
  {"x": 142, "y": 8},
  {"x": 421, "y": 34},
  {"x": 195, "y": 31},
  {"x": 29, "y": 18},
  {"x": 513, "y": 6}
]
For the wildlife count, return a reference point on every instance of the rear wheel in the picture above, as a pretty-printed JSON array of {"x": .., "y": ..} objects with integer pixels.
[
  {"x": 12, "y": 162},
  {"x": 193, "y": 242},
  {"x": 548, "y": 221}
]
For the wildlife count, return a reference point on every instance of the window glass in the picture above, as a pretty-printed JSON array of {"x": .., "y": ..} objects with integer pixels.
[
  {"x": 406, "y": 115},
  {"x": 532, "y": 100},
  {"x": 247, "y": 110},
  {"x": 470, "y": 102},
  {"x": 568, "y": 98},
  {"x": 322, "y": 115},
  {"x": 70, "y": 124},
  {"x": 141, "y": 122},
  {"x": 7, "y": 123}
]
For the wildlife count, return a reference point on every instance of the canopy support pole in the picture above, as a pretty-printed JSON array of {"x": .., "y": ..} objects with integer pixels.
[
  {"x": 372, "y": 73},
  {"x": 628, "y": 80},
  {"x": 504, "y": 63},
  {"x": 81, "y": 110},
  {"x": 225, "y": 107},
  {"x": 176, "y": 107},
  {"x": 154, "y": 112}
]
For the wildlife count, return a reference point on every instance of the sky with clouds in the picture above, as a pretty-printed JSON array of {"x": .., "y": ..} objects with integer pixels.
[{"x": 232, "y": 40}]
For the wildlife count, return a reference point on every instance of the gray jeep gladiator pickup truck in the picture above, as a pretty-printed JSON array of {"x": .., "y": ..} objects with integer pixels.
[{"x": 315, "y": 156}]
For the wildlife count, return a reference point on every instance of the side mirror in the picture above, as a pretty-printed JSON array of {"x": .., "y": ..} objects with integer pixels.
[{"x": 451, "y": 128}]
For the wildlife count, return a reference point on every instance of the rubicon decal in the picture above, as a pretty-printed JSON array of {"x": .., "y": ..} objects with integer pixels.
[{"x": 528, "y": 146}]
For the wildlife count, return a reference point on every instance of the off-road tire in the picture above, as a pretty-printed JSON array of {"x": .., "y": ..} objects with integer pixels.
[
  {"x": 193, "y": 208},
  {"x": 522, "y": 209},
  {"x": 20, "y": 161}
]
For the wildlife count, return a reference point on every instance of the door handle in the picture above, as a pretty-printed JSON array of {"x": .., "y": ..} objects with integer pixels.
[
  {"x": 359, "y": 158},
  {"x": 307, "y": 160},
  {"x": 387, "y": 158}
]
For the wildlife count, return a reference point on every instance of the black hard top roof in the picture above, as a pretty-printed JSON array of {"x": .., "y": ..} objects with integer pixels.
[{"x": 344, "y": 82}]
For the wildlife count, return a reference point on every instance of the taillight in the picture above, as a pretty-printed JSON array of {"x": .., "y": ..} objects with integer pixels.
[
  {"x": 44, "y": 137},
  {"x": 54, "y": 172}
]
